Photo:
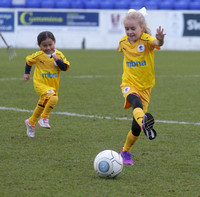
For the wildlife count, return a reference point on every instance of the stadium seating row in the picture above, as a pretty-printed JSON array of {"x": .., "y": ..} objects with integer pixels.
[{"x": 103, "y": 4}]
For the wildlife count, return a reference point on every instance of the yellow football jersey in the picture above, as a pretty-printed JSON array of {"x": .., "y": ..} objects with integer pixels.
[
  {"x": 46, "y": 74},
  {"x": 138, "y": 63}
]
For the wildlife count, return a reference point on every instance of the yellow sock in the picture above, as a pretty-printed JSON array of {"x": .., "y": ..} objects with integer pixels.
[
  {"x": 130, "y": 141},
  {"x": 36, "y": 115},
  {"x": 49, "y": 106},
  {"x": 138, "y": 115}
]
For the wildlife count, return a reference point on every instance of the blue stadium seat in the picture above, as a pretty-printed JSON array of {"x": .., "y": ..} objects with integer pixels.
[
  {"x": 18, "y": 4},
  {"x": 91, "y": 4},
  {"x": 5, "y": 3},
  {"x": 181, "y": 5},
  {"x": 121, "y": 4},
  {"x": 138, "y": 4},
  {"x": 194, "y": 5},
  {"x": 77, "y": 4},
  {"x": 106, "y": 4},
  {"x": 33, "y": 3},
  {"x": 48, "y": 4},
  {"x": 151, "y": 4},
  {"x": 63, "y": 4},
  {"x": 166, "y": 5}
]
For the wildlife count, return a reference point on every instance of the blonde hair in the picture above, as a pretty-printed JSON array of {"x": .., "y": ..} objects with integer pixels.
[{"x": 135, "y": 15}]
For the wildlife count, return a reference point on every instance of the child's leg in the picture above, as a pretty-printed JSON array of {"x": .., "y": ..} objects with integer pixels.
[
  {"x": 130, "y": 141},
  {"x": 132, "y": 136},
  {"x": 36, "y": 114},
  {"x": 144, "y": 120},
  {"x": 137, "y": 106},
  {"x": 52, "y": 100},
  {"x": 45, "y": 105}
]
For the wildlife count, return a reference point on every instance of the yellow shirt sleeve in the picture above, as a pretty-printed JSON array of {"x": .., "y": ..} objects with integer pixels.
[
  {"x": 32, "y": 59},
  {"x": 120, "y": 46}
]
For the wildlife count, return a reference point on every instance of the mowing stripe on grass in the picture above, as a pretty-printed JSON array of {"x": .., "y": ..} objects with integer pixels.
[{"x": 95, "y": 116}]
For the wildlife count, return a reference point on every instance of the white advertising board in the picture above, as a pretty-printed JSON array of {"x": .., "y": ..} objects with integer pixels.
[{"x": 101, "y": 29}]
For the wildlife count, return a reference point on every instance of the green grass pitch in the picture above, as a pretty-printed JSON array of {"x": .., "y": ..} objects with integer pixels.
[{"x": 59, "y": 162}]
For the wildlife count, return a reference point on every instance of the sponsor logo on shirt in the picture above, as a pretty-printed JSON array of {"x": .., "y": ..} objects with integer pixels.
[
  {"x": 136, "y": 64},
  {"x": 49, "y": 75}
]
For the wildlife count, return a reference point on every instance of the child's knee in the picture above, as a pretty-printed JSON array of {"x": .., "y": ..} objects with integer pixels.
[
  {"x": 134, "y": 100},
  {"x": 53, "y": 99}
]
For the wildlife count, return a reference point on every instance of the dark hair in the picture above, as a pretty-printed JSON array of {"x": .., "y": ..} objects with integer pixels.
[{"x": 44, "y": 35}]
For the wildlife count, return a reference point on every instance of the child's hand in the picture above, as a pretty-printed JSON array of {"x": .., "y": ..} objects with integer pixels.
[
  {"x": 55, "y": 57},
  {"x": 159, "y": 37},
  {"x": 26, "y": 77},
  {"x": 159, "y": 34}
]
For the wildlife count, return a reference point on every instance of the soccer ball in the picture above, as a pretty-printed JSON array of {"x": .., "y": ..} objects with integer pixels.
[{"x": 108, "y": 164}]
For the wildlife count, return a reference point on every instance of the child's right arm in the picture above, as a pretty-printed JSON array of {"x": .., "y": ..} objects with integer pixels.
[
  {"x": 27, "y": 72},
  {"x": 30, "y": 60},
  {"x": 26, "y": 77}
]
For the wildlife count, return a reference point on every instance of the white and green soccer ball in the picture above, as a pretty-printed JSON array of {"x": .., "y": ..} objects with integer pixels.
[{"x": 108, "y": 164}]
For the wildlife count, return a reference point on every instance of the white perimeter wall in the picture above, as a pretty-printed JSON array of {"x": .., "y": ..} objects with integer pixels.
[{"x": 107, "y": 33}]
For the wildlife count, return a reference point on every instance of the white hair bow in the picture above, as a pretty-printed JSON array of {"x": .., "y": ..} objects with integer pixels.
[{"x": 143, "y": 11}]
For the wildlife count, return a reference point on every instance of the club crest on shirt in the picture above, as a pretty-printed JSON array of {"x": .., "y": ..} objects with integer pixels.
[
  {"x": 126, "y": 89},
  {"x": 140, "y": 47}
]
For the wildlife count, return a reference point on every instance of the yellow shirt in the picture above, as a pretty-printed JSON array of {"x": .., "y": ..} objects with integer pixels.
[
  {"x": 138, "y": 63},
  {"x": 46, "y": 74}
]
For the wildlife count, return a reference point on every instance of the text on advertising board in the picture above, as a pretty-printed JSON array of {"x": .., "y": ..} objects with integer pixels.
[
  {"x": 6, "y": 22},
  {"x": 191, "y": 25},
  {"x": 58, "y": 19}
]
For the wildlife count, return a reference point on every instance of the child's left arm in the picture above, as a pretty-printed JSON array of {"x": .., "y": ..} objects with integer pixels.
[
  {"x": 159, "y": 37},
  {"x": 60, "y": 63}
]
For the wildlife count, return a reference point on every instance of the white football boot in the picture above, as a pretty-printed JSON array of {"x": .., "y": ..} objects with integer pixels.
[
  {"x": 30, "y": 129},
  {"x": 44, "y": 122}
]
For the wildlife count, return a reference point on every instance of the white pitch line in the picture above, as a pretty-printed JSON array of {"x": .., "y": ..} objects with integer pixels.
[
  {"x": 71, "y": 77},
  {"x": 11, "y": 79},
  {"x": 95, "y": 116},
  {"x": 105, "y": 76},
  {"x": 179, "y": 76}
]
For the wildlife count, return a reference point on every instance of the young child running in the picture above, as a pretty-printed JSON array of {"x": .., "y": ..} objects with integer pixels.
[
  {"x": 49, "y": 62},
  {"x": 138, "y": 76}
]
